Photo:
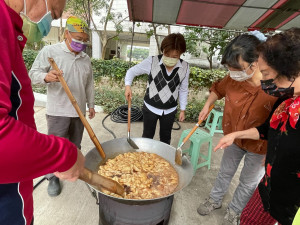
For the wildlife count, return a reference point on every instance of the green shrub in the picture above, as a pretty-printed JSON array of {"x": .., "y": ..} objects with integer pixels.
[
  {"x": 110, "y": 99},
  {"x": 115, "y": 69},
  {"x": 39, "y": 88},
  {"x": 204, "y": 78},
  {"x": 192, "y": 110},
  {"x": 29, "y": 57}
]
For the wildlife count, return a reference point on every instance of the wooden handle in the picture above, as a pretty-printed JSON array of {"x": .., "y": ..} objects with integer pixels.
[
  {"x": 74, "y": 103},
  {"x": 197, "y": 124},
  {"x": 129, "y": 113},
  {"x": 100, "y": 181}
]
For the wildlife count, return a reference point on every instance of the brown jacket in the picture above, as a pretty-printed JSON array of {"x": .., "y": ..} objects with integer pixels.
[{"x": 245, "y": 107}]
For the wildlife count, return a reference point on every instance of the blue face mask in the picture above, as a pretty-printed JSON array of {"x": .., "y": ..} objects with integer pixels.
[{"x": 35, "y": 31}]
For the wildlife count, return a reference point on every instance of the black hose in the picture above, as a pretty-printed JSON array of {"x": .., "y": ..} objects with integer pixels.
[
  {"x": 38, "y": 183},
  {"x": 110, "y": 131},
  {"x": 177, "y": 128},
  {"x": 120, "y": 114}
]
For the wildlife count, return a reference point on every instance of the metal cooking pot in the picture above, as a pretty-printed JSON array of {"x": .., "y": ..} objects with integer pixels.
[{"x": 118, "y": 146}]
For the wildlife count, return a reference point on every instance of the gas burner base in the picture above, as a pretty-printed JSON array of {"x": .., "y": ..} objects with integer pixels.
[{"x": 113, "y": 212}]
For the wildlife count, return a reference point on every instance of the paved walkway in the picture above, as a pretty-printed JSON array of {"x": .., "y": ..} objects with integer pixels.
[{"x": 76, "y": 206}]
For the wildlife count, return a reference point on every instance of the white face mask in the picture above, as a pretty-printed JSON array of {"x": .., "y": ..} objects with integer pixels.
[
  {"x": 241, "y": 75},
  {"x": 168, "y": 61}
]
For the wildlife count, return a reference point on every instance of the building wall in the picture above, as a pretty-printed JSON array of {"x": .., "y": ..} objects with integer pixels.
[{"x": 140, "y": 37}]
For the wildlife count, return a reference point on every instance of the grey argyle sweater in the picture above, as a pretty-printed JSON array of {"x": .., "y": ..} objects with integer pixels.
[{"x": 162, "y": 90}]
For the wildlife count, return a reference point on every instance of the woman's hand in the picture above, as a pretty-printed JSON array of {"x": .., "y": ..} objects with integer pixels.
[
  {"x": 181, "y": 116},
  {"x": 226, "y": 141},
  {"x": 128, "y": 93},
  {"x": 204, "y": 112}
]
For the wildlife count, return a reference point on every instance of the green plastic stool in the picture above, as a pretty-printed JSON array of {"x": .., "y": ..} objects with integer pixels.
[
  {"x": 216, "y": 122},
  {"x": 197, "y": 139}
]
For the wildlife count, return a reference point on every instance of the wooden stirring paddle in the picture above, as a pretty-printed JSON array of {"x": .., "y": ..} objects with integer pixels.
[{"x": 101, "y": 182}]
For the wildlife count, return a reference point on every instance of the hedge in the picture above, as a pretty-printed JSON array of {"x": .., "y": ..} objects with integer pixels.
[{"x": 116, "y": 69}]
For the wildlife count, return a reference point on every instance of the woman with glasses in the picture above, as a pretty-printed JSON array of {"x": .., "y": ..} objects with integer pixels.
[
  {"x": 277, "y": 197},
  {"x": 246, "y": 105}
]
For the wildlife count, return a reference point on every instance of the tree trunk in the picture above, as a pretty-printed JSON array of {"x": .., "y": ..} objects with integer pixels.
[
  {"x": 209, "y": 58},
  {"x": 104, "y": 45},
  {"x": 156, "y": 39}
]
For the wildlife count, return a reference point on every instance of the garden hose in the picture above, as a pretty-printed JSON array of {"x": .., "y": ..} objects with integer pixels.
[
  {"x": 38, "y": 183},
  {"x": 120, "y": 115}
]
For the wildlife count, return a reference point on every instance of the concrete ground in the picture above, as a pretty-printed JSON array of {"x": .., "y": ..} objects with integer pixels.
[{"x": 76, "y": 206}]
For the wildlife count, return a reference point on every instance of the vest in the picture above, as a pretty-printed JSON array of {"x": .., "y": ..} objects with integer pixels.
[{"x": 162, "y": 90}]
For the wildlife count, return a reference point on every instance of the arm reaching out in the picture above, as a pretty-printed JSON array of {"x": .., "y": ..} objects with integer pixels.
[
  {"x": 228, "y": 139},
  {"x": 211, "y": 100}
]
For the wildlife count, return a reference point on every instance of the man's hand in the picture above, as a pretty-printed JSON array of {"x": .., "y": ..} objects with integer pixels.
[
  {"x": 181, "y": 116},
  {"x": 128, "y": 92},
  {"x": 91, "y": 113},
  {"x": 73, "y": 173},
  {"x": 52, "y": 76}
]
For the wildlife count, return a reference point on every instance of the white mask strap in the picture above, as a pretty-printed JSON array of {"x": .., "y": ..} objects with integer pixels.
[
  {"x": 46, "y": 5},
  {"x": 24, "y": 7}
]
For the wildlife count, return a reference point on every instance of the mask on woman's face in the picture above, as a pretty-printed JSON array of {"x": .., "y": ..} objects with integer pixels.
[
  {"x": 168, "y": 61},
  {"x": 241, "y": 75},
  {"x": 35, "y": 31},
  {"x": 270, "y": 88}
]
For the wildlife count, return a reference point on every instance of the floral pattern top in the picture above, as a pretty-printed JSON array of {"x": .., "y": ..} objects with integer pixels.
[{"x": 280, "y": 187}]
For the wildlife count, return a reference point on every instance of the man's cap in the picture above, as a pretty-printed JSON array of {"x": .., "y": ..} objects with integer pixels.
[{"x": 75, "y": 24}]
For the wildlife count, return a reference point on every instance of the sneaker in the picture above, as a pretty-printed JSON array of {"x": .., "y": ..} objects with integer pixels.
[
  {"x": 54, "y": 187},
  {"x": 231, "y": 217},
  {"x": 209, "y": 205}
]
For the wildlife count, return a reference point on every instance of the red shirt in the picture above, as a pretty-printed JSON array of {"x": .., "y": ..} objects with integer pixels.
[{"x": 24, "y": 153}]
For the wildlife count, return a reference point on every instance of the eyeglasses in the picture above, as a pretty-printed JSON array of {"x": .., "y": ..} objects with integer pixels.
[
  {"x": 87, "y": 42},
  {"x": 227, "y": 67}
]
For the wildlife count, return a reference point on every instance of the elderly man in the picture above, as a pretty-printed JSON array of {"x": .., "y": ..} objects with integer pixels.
[
  {"x": 62, "y": 118},
  {"x": 24, "y": 153}
]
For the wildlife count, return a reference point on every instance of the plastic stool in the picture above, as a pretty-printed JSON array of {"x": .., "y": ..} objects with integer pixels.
[
  {"x": 197, "y": 139},
  {"x": 217, "y": 121}
]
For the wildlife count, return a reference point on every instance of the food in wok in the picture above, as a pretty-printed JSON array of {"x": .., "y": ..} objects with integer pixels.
[{"x": 143, "y": 175}]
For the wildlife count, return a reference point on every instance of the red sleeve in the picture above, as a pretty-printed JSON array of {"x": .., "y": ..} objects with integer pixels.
[
  {"x": 27, "y": 154},
  {"x": 24, "y": 153},
  {"x": 219, "y": 87}
]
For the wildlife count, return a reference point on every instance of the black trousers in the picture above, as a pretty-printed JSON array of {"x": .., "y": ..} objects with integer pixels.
[{"x": 165, "y": 122}]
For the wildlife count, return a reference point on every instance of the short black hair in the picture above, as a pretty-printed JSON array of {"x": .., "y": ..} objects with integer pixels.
[
  {"x": 243, "y": 46},
  {"x": 282, "y": 53},
  {"x": 174, "y": 41}
]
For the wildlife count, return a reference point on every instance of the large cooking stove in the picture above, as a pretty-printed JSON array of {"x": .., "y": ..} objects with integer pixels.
[{"x": 115, "y": 212}]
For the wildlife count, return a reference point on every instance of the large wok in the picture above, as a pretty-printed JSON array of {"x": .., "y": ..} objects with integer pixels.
[{"x": 118, "y": 146}]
